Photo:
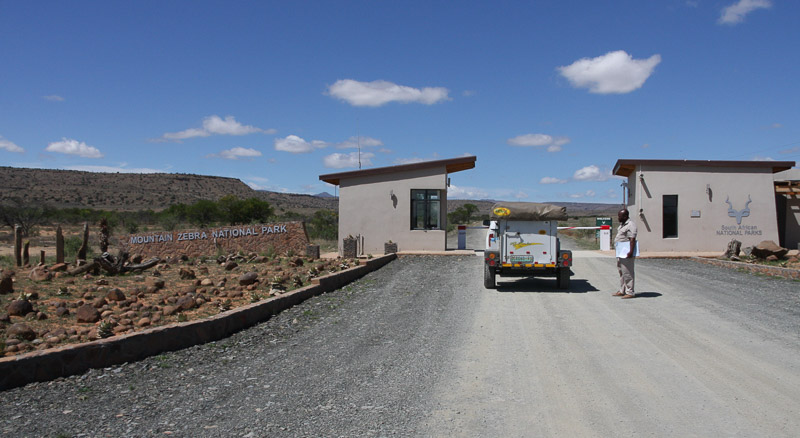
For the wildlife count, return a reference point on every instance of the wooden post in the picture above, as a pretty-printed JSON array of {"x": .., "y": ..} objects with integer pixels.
[
  {"x": 41, "y": 258},
  {"x": 84, "y": 246},
  {"x": 26, "y": 257},
  {"x": 59, "y": 245},
  {"x": 104, "y": 234},
  {"x": 18, "y": 245}
]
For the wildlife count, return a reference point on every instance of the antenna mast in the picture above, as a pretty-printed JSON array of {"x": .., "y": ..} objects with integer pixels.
[{"x": 358, "y": 140}]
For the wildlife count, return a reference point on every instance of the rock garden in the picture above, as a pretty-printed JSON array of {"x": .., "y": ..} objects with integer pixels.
[
  {"x": 47, "y": 306},
  {"x": 766, "y": 252}
]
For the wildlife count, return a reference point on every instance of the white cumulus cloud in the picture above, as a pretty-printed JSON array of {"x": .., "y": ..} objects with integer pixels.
[
  {"x": 530, "y": 140},
  {"x": 74, "y": 147},
  {"x": 342, "y": 161},
  {"x": 377, "y": 93},
  {"x": 456, "y": 192},
  {"x": 552, "y": 180},
  {"x": 10, "y": 146},
  {"x": 591, "y": 173},
  {"x": 298, "y": 145},
  {"x": 53, "y": 98},
  {"x": 238, "y": 153},
  {"x": 553, "y": 144},
  {"x": 615, "y": 72},
  {"x": 353, "y": 143},
  {"x": 586, "y": 194},
  {"x": 735, "y": 13},
  {"x": 215, "y": 125}
]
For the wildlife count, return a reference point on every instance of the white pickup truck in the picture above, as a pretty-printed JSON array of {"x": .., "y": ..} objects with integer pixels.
[{"x": 522, "y": 240}]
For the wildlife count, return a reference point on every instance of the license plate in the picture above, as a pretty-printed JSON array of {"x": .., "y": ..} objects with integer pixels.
[{"x": 520, "y": 259}]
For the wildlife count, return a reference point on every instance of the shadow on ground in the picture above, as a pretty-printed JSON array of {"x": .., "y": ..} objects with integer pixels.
[
  {"x": 547, "y": 285},
  {"x": 648, "y": 295}
]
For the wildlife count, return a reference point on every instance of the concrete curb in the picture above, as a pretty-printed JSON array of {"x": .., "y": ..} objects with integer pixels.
[
  {"x": 774, "y": 271},
  {"x": 39, "y": 366}
]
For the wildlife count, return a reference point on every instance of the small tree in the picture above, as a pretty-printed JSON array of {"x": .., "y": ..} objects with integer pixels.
[
  {"x": 324, "y": 225},
  {"x": 458, "y": 216},
  {"x": 470, "y": 210},
  {"x": 256, "y": 210},
  {"x": 16, "y": 212},
  {"x": 203, "y": 212}
]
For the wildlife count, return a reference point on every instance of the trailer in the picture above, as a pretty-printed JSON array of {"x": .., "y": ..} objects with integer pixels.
[{"x": 522, "y": 240}]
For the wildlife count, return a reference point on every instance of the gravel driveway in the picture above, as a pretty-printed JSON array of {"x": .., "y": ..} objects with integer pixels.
[
  {"x": 356, "y": 362},
  {"x": 419, "y": 348}
]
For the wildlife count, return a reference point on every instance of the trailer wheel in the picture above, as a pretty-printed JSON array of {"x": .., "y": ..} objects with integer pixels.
[
  {"x": 488, "y": 277},
  {"x": 562, "y": 278}
]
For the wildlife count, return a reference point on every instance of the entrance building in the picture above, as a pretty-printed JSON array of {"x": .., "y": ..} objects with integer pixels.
[
  {"x": 405, "y": 204},
  {"x": 699, "y": 206}
]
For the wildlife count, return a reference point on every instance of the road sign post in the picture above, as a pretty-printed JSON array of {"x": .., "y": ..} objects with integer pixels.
[{"x": 604, "y": 233}]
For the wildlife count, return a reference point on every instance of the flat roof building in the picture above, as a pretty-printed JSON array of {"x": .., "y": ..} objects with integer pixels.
[
  {"x": 696, "y": 205},
  {"x": 405, "y": 204}
]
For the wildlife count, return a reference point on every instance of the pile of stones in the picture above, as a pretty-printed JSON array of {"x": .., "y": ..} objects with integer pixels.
[{"x": 767, "y": 250}]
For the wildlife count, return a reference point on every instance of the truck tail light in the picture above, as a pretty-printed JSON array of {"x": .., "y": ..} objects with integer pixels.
[
  {"x": 565, "y": 263},
  {"x": 565, "y": 256}
]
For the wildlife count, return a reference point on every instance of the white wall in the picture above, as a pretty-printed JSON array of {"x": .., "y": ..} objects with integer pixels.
[
  {"x": 792, "y": 236},
  {"x": 713, "y": 229},
  {"x": 367, "y": 208}
]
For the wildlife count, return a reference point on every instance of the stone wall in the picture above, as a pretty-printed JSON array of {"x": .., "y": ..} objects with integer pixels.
[
  {"x": 40, "y": 366},
  {"x": 280, "y": 237}
]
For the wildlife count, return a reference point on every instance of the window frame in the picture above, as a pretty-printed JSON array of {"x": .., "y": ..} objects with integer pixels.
[
  {"x": 426, "y": 204},
  {"x": 669, "y": 217}
]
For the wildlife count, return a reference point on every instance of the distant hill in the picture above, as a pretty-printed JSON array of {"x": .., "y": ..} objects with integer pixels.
[
  {"x": 304, "y": 204},
  {"x": 157, "y": 191},
  {"x": 573, "y": 208},
  {"x": 114, "y": 191}
]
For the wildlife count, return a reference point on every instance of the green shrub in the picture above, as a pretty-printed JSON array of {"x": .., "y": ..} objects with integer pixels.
[
  {"x": 324, "y": 225},
  {"x": 72, "y": 244}
]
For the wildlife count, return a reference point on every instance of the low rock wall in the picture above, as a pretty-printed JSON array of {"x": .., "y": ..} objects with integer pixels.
[{"x": 74, "y": 359}]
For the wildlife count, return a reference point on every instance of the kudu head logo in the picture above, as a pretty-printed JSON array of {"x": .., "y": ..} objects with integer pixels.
[{"x": 739, "y": 214}]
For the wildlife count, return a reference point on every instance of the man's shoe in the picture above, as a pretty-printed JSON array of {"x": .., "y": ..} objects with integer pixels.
[
  {"x": 617, "y": 294},
  {"x": 625, "y": 297}
]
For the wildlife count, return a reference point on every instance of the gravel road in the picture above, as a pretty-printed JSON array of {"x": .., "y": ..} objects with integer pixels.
[{"x": 419, "y": 348}]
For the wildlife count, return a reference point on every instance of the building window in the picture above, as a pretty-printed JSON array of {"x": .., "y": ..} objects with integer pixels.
[
  {"x": 425, "y": 209},
  {"x": 670, "y": 216}
]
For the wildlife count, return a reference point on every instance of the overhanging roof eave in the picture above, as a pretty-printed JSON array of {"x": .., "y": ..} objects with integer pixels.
[
  {"x": 624, "y": 167},
  {"x": 450, "y": 165}
]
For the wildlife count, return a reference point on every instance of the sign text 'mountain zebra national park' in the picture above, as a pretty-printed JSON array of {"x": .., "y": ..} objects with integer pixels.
[{"x": 280, "y": 237}]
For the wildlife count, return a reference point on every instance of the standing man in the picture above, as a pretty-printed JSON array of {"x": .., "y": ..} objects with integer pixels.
[{"x": 625, "y": 242}]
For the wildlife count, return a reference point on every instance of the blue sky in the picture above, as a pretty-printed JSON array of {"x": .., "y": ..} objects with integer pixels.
[{"x": 547, "y": 94}]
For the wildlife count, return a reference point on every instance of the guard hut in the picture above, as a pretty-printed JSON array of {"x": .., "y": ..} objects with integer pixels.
[
  {"x": 405, "y": 205},
  {"x": 699, "y": 206},
  {"x": 787, "y": 196}
]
